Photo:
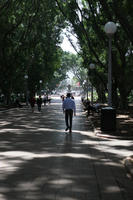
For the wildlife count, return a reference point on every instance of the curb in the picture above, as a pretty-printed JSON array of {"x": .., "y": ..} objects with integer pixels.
[
  {"x": 101, "y": 134},
  {"x": 11, "y": 108},
  {"x": 7, "y": 109}
]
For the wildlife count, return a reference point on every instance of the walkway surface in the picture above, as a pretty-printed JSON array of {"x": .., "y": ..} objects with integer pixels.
[{"x": 38, "y": 161}]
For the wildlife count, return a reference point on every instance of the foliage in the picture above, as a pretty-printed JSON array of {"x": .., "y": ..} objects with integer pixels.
[
  {"x": 30, "y": 38},
  {"x": 29, "y": 43},
  {"x": 88, "y": 18}
]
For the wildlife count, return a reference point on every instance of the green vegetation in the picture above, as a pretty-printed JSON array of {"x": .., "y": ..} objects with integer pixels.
[
  {"x": 30, "y": 37},
  {"x": 87, "y": 19},
  {"x": 29, "y": 44}
]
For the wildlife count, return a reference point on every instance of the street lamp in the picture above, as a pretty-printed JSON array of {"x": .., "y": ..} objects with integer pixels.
[
  {"x": 92, "y": 66},
  {"x": 26, "y": 78},
  {"x": 84, "y": 87},
  {"x": 110, "y": 29},
  {"x": 87, "y": 83},
  {"x": 40, "y": 86}
]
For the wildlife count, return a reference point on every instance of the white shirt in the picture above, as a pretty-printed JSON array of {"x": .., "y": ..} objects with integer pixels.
[{"x": 69, "y": 103}]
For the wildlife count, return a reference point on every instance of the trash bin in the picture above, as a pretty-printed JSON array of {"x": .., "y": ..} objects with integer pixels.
[{"x": 108, "y": 119}]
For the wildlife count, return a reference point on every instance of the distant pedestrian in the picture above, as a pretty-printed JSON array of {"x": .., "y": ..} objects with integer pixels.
[
  {"x": 62, "y": 97},
  {"x": 44, "y": 100},
  {"x": 39, "y": 103},
  {"x": 32, "y": 102},
  {"x": 89, "y": 107},
  {"x": 69, "y": 108}
]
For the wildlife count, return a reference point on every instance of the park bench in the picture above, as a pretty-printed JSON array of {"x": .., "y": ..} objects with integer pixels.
[{"x": 95, "y": 108}]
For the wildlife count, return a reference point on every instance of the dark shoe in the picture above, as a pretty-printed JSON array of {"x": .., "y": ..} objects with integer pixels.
[
  {"x": 70, "y": 130},
  {"x": 66, "y": 128}
]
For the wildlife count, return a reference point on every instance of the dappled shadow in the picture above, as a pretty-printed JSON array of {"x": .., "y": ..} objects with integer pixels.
[
  {"x": 39, "y": 161},
  {"x": 124, "y": 125}
]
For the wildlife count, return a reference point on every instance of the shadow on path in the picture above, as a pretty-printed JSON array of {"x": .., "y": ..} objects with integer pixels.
[{"x": 38, "y": 161}]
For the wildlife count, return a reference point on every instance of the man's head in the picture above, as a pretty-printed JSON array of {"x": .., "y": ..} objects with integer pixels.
[{"x": 68, "y": 94}]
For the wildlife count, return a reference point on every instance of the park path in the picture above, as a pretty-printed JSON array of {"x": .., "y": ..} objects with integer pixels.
[{"x": 38, "y": 161}]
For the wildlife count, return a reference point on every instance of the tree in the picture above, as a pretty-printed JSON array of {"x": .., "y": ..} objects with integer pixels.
[
  {"x": 29, "y": 38},
  {"x": 88, "y": 19}
]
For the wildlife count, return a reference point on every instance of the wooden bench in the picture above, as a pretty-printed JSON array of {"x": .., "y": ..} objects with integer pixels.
[{"x": 95, "y": 108}]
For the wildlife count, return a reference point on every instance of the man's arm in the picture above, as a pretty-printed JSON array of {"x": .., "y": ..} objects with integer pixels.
[
  {"x": 74, "y": 109},
  {"x": 63, "y": 107}
]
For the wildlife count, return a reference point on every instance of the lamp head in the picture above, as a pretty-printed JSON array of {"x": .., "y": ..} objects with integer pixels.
[
  {"x": 110, "y": 28},
  {"x": 26, "y": 76},
  {"x": 92, "y": 66}
]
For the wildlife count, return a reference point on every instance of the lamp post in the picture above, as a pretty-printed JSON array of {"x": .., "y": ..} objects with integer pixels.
[
  {"x": 40, "y": 86},
  {"x": 84, "y": 88},
  {"x": 26, "y": 78},
  {"x": 92, "y": 66},
  {"x": 110, "y": 29},
  {"x": 87, "y": 84}
]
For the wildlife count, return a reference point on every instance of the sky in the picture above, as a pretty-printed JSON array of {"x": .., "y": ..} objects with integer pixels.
[{"x": 66, "y": 45}]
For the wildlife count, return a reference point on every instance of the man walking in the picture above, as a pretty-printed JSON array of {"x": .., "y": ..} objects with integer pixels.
[{"x": 69, "y": 107}]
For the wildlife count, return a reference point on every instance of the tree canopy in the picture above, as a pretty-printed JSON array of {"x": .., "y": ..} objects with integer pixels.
[
  {"x": 29, "y": 43},
  {"x": 87, "y": 19},
  {"x": 30, "y": 38}
]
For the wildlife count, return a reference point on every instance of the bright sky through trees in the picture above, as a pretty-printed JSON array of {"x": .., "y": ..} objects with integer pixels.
[{"x": 66, "y": 45}]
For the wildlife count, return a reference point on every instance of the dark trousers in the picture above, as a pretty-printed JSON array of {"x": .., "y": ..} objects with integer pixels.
[
  {"x": 39, "y": 107},
  {"x": 68, "y": 118}
]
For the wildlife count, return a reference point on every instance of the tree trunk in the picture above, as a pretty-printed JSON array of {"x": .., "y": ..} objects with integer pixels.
[
  {"x": 101, "y": 95},
  {"x": 123, "y": 101}
]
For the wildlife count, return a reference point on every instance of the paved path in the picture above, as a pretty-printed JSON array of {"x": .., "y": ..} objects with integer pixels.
[{"x": 38, "y": 161}]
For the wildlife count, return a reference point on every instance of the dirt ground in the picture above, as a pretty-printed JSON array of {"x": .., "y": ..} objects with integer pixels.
[
  {"x": 124, "y": 122},
  {"x": 124, "y": 130}
]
